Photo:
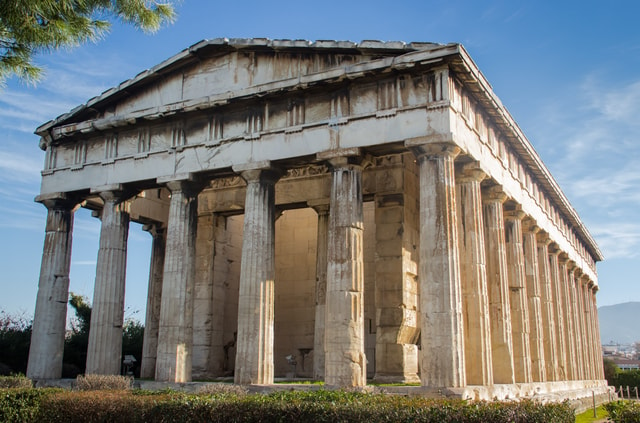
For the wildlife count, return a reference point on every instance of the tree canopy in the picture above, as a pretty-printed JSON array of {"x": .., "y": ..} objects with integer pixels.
[{"x": 30, "y": 27}]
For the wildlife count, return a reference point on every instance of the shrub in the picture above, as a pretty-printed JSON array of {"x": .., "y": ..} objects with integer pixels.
[
  {"x": 623, "y": 411},
  {"x": 15, "y": 381},
  {"x": 20, "y": 405},
  {"x": 222, "y": 389},
  {"x": 103, "y": 382}
]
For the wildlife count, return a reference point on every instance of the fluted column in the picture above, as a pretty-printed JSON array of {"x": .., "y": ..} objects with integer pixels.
[
  {"x": 498, "y": 286},
  {"x": 559, "y": 305},
  {"x": 175, "y": 332},
  {"x": 321, "y": 290},
  {"x": 548, "y": 310},
  {"x": 442, "y": 334},
  {"x": 475, "y": 297},
  {"x": 534, "y": 295},
  {"x": 597, "y": 341},
  {"x": 567, "y": 314},
  {"x": 254, "y": 353},
  {"x": 154, "y": 299},
  {"x": 49, "y": 321},
  {"x": 107, "y": 315},
  {"x": 518, "y": 296},
  {"x": 574, "y": 280},
  {"x": 345, "y": 361},
  {"x": 588, "y": 332}
]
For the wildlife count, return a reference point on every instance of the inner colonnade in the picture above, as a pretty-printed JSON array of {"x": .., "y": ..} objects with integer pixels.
[{"x": 383, "y": 219}]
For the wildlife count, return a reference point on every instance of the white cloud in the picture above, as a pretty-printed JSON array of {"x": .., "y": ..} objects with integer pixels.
[{"x": 19, "y": 167}]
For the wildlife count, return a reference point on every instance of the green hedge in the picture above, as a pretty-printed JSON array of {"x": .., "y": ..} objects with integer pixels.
[
  {"x": 623, "y": 411},
  {"x": 48, "y": 405}
]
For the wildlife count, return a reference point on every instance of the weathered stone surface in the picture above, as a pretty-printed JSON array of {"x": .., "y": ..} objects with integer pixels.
[
  {"x": 107, "y": 314},
  {"x": 47, "y": 336}
]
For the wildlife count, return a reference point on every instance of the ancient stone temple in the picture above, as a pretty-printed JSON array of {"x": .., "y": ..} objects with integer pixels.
[{"x": 369, "y": 211}]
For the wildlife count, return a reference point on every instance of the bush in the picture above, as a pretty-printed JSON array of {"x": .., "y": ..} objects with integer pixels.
[
  {"x": 103, "y": 382},
  {"x": 20, "y": 405},
  {"x": 623, "y": 411},
  {"x": 15, "y": 381}
]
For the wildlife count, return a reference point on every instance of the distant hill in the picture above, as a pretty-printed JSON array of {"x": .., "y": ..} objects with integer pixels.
[{"x": 620, "y": 323}]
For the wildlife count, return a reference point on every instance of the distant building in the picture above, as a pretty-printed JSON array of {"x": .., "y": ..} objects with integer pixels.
[{"x": 371, "y": 208}]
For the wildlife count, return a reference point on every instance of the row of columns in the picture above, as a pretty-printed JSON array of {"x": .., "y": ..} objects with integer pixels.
[{"x": 498, "y": 302}]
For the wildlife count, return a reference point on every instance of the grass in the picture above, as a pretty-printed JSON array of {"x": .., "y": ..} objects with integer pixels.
[{"x": 587, "y": 416}]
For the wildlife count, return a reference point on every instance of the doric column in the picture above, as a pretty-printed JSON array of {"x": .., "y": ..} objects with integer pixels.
[
  {"x": 518, "y": 296},
  {"x": 588, "y": 330},
  {"x": 442, "y": 335},
  {"x": 321, "y": 290},
  {"x": 473, "y": 275},
  {"x": 498, "y": 286},
  {"x": 559, "y": 305},
  {"x": 175, "y": 334},
  {"x": 49, "y": 321},
  {"x": 254, "y": 353},
  {"x": 548, "y": 309},
  {"x": 567, "y": 314},
  {"x": 599, "y": 371},
  {"x": 396, "y": 296},
  {"x": 107, "y": 315},
  {"x": 579, "y": 322},
  {"x": 345, "y": 361},
  {"x": 534, "y": 293},
  {"x": 154, "y": 298}
]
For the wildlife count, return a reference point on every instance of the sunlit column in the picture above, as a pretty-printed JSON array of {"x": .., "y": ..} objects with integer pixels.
[
  {"x": 321, "y": 290},
  {"x": 567, "y": 314},
  {"x": 49, "y": 321},
  {"x": 559, "y": 306},
  {"x": 548, "y": 309}
]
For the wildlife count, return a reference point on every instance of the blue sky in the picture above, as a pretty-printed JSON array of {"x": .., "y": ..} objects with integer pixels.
[{"x": 568, "y": 71}]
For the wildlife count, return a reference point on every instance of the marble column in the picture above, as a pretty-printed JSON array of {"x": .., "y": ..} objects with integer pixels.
[
  {"x": 597, "y": 341},
  {"x": 473, "y": 272},
  {"x": 548, "y": 309},
  {"x": 498, "y": 286},
  {"x": 49, "y": 322},
  {"x": 586, "y": 324},
  {"x": 321, "y": 290},
  {"x": 254, "y": 353},
  {"x": 175, "y": 332},
  {"x": 574, "y": 280},
  {"x": 442, "y": 334},
  {"x": 154, "y": 298},
  {"x": 534, "y": 296},
  {"x": 396, "y": 296},
  {"x": 567, "y": 314},
  {"x": 518, "y": 296},
  {"x": 107, "y": 315},
  {"x": 345, "y": 361},
  {"x": 559, "y": 305}
]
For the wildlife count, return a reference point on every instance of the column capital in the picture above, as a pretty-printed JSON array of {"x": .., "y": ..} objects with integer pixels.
[
  {"x": 529, "y": 225},
  {"x": 433, "y": 150},
  {"x": 321, "y": 207},
  {"x": 470, "y": 172},
  {"x": 514, "y": 214},
  {"x": 493, "y": 194},
  {"x": 261, "y": 171},
  {"x": 59, "y": 200},
  {"x": 155, "y": 229},
  {"x": 543, "y": 238}
]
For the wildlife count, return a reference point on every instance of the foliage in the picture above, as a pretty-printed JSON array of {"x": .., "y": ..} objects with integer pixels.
[
  {"x": 132, "y": 339},
  {"x": 15, "y": 338},
  {"x": 611, "y": 370},
  {"x": 15, "y": 381},
  {"x": 317, "y": 406},
  {"x": 103, "y": 382},
  {"x": 587, "y": 416},
  {"x": 31, "y": 27},
  {"x": 623, "y": 411},
  {"x": 77, "y": 340},
  {"x": 20, "y": 404}
]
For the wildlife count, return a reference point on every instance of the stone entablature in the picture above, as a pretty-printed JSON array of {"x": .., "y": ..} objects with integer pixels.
[{"x": 437, "y": 223}]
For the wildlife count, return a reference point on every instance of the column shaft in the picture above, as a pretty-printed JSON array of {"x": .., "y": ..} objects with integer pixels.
[
  {"x": 154, "y": 299},
  {"x": 442, "y": 333},
  {"x": 537, "y": 337},
  {"x": 498, "y": 288},
  {"x": 597, "y": 341},
  {"x": 567, "y": 314},
  {"x": 475, "y": 297},
  {"x": 577, "y": 323},
  {"x": 254, "y": 354},
  {"x": 345, "y": 361},
  {"x": 321, "y": 291},
  {"x": 175, "y": 334},
  {"x": 548, "y": 311},
  {"x": 559, "y": 305},
  {"x": 518, "y": 297},
  {"x": 49, "y": 322},
  {"x": 107, "y": 315},
  {"x": 588, "y": 332}
]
